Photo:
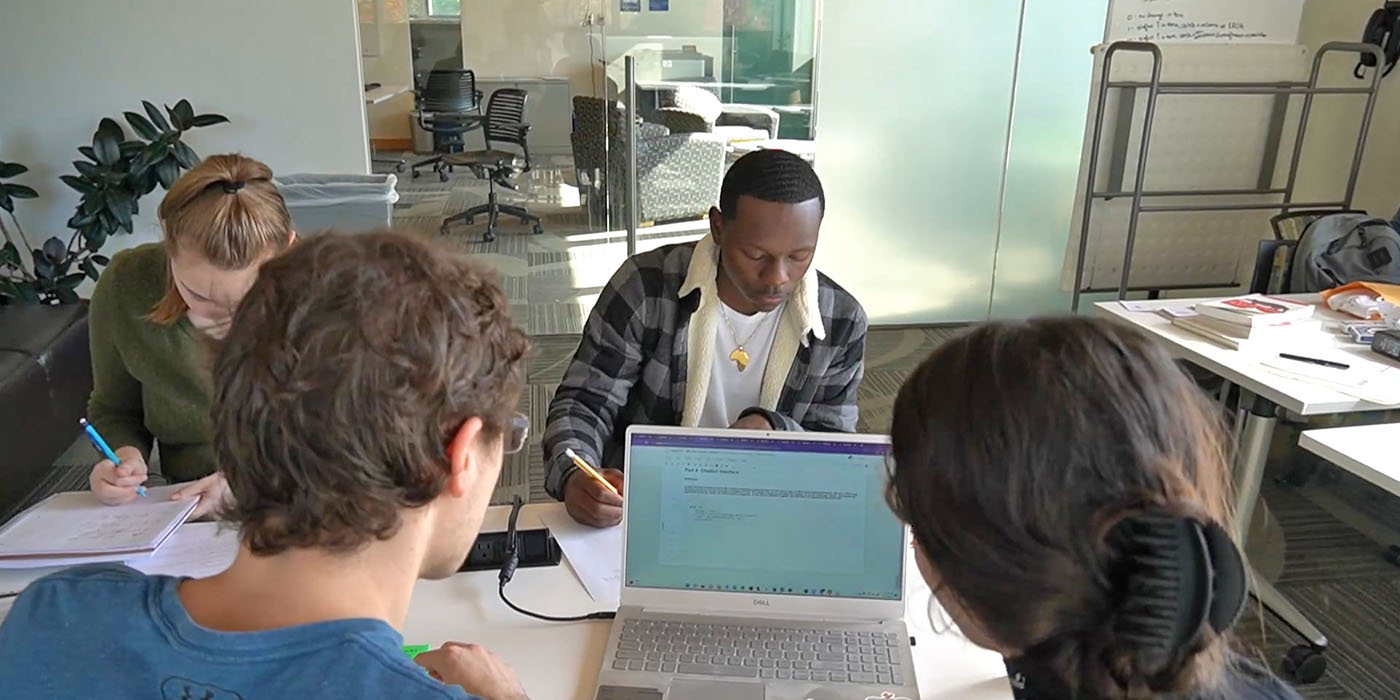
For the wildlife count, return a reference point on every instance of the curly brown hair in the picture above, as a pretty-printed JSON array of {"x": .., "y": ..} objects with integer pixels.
[{"x": 349, "y": 366}]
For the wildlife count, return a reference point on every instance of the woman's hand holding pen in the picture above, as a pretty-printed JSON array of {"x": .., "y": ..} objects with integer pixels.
[{"x": 115, "y": 484}]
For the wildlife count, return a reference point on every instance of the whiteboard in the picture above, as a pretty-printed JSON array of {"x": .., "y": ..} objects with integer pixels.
[{"x": 1205, "y": 21}]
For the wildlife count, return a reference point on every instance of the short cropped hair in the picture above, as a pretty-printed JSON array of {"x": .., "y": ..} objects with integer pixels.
[
  {"x": 771, "y": 175},
  {"x": 347, "y": 370}
]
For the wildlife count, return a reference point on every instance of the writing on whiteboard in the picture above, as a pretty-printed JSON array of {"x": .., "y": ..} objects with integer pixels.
[{"x": 1206, "y": 21}]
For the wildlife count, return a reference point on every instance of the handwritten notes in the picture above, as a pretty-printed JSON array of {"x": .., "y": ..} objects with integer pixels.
[
  {"x": 1206, "y": 21},
  {"x": 196, "y": 550},
  {"x": 75, "y": 524},
  {"x": 595, "y": 555}
]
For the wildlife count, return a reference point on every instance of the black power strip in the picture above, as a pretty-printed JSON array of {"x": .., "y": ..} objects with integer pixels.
[{"x": 535, "y": 548}]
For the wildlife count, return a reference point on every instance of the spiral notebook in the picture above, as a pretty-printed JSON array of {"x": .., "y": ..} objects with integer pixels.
[{"x": 74, "y": 527}]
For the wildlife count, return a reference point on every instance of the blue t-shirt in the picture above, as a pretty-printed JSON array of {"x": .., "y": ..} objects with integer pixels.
[{"x": 110, "y": 631}]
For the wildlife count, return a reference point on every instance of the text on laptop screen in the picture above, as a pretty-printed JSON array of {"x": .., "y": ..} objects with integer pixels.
[{"x": 751, "y": 514}]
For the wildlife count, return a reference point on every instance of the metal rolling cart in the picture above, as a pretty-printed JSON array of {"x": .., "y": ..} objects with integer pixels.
[
  {"x": 1305, "y": 661},
  {"x": 1155, "y": 87}
]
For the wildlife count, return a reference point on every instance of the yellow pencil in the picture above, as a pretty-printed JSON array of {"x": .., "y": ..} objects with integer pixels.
[{"x": 589, "y": 470}]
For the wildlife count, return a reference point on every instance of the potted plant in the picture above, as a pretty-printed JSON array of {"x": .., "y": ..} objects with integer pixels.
[{"x": 117, "y": 172}]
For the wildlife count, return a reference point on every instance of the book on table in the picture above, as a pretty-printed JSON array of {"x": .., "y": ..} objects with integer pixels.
[
  {"x": 1244, "y": 338},
  {"x": 74, "y": 527},
  {"x": 1255, "y": 310}
]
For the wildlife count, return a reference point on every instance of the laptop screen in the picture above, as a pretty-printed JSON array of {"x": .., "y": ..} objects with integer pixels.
[{"x": 761, "y": 515}]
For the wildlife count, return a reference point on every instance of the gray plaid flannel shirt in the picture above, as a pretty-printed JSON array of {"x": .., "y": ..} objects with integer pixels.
[{"x": 631, "y": 366}]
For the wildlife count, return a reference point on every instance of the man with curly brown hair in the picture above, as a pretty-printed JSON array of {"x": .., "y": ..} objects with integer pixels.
[{"x": 363, "y": 402}]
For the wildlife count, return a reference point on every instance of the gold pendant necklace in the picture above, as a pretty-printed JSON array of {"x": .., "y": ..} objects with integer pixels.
[{"x": 739, "y": 355}]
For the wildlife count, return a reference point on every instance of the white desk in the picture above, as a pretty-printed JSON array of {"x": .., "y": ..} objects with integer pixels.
[
  {"x": 384, "y": 93},
  {"x": 1263, "y": 392},
  {"x": 560, "y": 661},
  {"x": 1371, "y": 452}
]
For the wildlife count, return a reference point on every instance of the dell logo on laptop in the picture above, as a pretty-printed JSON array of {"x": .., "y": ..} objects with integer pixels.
[{"x": 761, "y": 603}]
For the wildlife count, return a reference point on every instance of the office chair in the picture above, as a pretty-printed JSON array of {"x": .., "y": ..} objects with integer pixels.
[
  {"x": 504, "y": 125},
  {"x": 446, "y": 108}
]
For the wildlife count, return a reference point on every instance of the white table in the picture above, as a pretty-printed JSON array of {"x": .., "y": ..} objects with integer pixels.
[
  {"x": 1371, "y": 452},
  {"x": 560, "y": 661},
  {"x": 1262, "y": 394},
  {"x": 383, "y": 93}
]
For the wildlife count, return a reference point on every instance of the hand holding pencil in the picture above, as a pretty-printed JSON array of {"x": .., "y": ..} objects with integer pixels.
[{"x": 593, "y": 496}]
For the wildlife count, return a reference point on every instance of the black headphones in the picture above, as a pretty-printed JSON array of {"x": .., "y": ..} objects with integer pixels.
[{"x": 1382, "y": 30}]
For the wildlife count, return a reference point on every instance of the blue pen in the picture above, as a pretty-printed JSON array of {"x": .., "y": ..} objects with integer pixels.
[{"x": 102, "y": 447}]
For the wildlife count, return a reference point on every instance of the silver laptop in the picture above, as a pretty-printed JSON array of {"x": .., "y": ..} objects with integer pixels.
[{"x": 758, "y": 566}]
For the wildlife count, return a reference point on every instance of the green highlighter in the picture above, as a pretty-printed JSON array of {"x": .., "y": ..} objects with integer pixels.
[{"x": 413, "y": 650}]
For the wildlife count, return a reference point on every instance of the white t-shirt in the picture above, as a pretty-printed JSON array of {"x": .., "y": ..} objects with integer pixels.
[{"x": 730, "y": 390}]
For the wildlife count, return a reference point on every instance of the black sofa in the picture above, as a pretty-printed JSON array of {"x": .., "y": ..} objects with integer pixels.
[{"x": 45, "y": 380}]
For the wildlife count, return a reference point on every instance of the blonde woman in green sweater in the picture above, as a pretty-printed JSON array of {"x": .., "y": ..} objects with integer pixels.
[{"x": 156, "y": 314}]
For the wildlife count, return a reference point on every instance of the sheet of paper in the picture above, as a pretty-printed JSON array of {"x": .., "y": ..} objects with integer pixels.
[
  {"x": 1369, "y": 380},
  {"x": 195, "y": 550},
  {"x": 1206, "y": 21},
  {"x": 595, "y": 555},
  {"x": 1135, "y": 305},
  {"x": 76, "y": 523}
]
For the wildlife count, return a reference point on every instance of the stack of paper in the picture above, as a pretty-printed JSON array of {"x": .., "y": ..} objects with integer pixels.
[
  {"x": 1368, "y": 380},
  {"x": 75, "y": 528}
]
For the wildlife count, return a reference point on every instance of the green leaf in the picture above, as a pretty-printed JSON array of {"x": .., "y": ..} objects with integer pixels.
[
  {"x": 155, "y": 116},
  {"x": 79, "y": 184},
  {"x": 20, "y": 191},
  {"x": 71, "y": 281},
  {"x": 89, "y": 269},
  {"x": 11, "y": 169},
  {"x": 93, "y": 203},
  {"x": 142, "y": 126},
  {"x": 106, "y": 142},
  {"x": 208, "y": 120},
  {"x": 66, "y": 296},
  {"x": 167, "y": 171},
  {"x": 9, "y": 255},
  {"x": 94, "y": 240},
  {"x": 185, "y": 155},
  {"x": 79, "y": 220},
  {"x": 117, "y": 202},
  {"x": 42, "y": 268},
  {"x": 181, "y": 114},
  {"x": 6, "y": 203},
  {"x": 54, "y": 250},
  {"x": 101, "y": 259},
  {"x": 87, "y": 169}
]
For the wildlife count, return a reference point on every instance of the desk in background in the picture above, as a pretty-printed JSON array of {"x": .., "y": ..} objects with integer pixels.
[
  {"x": 1371, "y": 452},
  {"x": 560, "y": 661},
  {"x": 1262, "y": 393}
]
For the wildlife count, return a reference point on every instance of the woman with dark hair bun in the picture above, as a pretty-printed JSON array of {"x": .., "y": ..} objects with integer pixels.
[{"x": 1068, "y": 492}]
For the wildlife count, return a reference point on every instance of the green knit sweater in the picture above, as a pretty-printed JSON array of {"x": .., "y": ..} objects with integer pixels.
[{"x": 151, "y": 384}]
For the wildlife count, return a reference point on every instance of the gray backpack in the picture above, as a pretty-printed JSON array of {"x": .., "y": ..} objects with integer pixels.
[{"x": 1341, "y": 248}]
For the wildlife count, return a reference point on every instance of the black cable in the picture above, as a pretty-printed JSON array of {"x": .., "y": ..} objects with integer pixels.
[{"x": 508, "y": 572}]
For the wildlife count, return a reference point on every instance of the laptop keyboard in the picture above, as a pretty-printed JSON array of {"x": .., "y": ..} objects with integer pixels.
[{"x": 754, "y": 651}]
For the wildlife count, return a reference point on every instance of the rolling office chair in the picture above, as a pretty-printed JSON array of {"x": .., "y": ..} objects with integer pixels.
[
  {"x": 449, "y": 107},
  {"x": 504, "y": 125}
]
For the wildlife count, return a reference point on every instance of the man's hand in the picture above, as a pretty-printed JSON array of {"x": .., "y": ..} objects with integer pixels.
[
  {"x": 212, "y": 492},
  {"x": 753, "y": 421},
  {"x": 590, "y": 502},
  {"x": 476, "y": 670},
  {"x": 115, "y": 484}
]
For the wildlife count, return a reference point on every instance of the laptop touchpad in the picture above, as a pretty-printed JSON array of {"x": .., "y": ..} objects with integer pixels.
[{"x": 688, "y": 689}]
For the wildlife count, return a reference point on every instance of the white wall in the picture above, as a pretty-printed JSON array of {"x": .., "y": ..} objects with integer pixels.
[
  {"x": 532, "y": 38},
  {"x": 287, "y": 75},
  {"x": 1333, "y": 125}
]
